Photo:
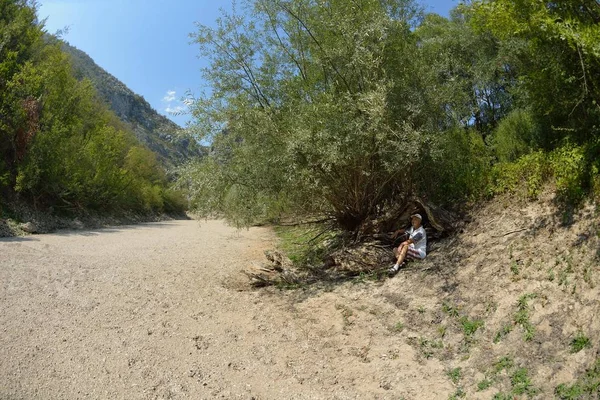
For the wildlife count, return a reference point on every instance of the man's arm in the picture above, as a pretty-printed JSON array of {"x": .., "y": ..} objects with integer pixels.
[{"x": 399, "y": 231}]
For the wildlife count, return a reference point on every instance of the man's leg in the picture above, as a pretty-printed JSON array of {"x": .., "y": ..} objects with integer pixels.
[{"x": 400, "y": 254}]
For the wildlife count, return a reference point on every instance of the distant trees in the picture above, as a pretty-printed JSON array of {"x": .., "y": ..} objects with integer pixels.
[{"x": 60, "y": 145}]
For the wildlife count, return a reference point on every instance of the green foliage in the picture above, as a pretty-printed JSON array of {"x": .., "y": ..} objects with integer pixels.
[
  {"x": 459, "y": 169},
  {"x": 586, "y": 387},
  {"x": 557, "y": 58},
  {"x": 519, "y": 378},
  {"x": 455, "y": 375},
  {"x": 399, "y": 327},
  {"x": 60, "y": 146},
  {"x": 458, "y": 394},
  {"x": 516, "y": 135},
  {"x": 470, "y": 326},
  {"x": 305, "y": 245},
  {"x": 505, "y": 363},
  {"x": 570, "y": 169},
  {"x": 521, "y": 317},
  {"x": 320, "y": 109},
  {"x": 568, "y": 166},
  {"x": 526, "y": 174},
  {"x": 522, "y": 383},
  {"x": 484, "y": 384},
  {"x": 580, "y": 342},
  {"x": 346, "y": 111}
]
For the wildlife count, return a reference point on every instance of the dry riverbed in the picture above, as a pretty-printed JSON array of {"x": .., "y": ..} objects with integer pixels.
[{"x": 162, "y": 311}]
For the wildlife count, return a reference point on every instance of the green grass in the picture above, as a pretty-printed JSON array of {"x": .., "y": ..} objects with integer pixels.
[
  {"x": 470, "y": 326},
  {"x": 304, "y": 244},
  {"x": 521, "y": 317},
  {"x": 514, "y": 267},
  {"x": 484, "y": 384},
  {"x": 505, "y": 363},
  {"x": 458, "y": 394},
  {"x": 519, "y": 379},
  {"x": 521, "y": 383},
  {"x": 399, "y": 327},
  {"x": 449, "y": 309},
  {"x": 580, "y": 342},
  {"x": 454, "y": 375},
  {"x": 586, "y": 387},
  {"x": 505, "y": 330}
]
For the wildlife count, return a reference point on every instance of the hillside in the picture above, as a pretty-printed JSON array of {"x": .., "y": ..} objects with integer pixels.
[
  {"x": 507, "y": 308},
  {"x": 156, "y": 131}
]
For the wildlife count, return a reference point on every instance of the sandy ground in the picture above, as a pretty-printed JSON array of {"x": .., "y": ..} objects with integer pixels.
[{"x": 162, "y": 311}]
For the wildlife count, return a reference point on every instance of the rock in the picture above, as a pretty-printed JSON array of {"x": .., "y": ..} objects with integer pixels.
[
  {"x": 29, "y": 227},
  {"x": 77, "y": 224}
]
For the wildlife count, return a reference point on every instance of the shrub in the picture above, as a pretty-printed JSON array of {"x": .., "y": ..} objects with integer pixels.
[
  {"x": 459, "y": 167},
  {"x": 516, "y": 135},
  {"x": 570, "y": 168},
  {"x": 526, "y": 174}
]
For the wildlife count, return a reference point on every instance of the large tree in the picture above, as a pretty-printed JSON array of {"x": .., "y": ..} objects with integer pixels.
[{"x": 300, "y": 114}]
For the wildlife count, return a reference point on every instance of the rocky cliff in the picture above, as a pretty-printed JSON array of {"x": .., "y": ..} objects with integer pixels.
[{"x": 160, "y": 134}]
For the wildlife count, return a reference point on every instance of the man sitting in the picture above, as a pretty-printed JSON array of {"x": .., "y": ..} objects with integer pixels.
[{"x": 413, "y": 248}]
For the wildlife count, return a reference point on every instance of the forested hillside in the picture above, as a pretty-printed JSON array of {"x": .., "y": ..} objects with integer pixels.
[
  {"x": 348, "y": 109},
  {"x": 61, "y": 148},
  {"x": 157, "y": 132}
]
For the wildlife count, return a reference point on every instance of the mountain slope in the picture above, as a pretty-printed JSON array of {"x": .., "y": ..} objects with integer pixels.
[{"x": 160, "y": 134}]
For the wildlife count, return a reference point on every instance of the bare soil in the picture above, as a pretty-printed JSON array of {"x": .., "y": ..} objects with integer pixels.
[{"x": 163, "y": 311}]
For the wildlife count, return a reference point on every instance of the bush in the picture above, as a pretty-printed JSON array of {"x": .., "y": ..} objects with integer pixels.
[
  {"x": 527, "y": 174},
  {"x": 459, "y": 168},
  {"x": 569, "y": 166},
  {"x": 517, "y": 134}
]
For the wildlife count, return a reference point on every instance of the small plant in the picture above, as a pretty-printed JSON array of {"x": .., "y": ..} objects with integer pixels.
[
  {"x": 519, "y": 379},
  {"x": 580, "y": 342},
  {"x": 427, "y": 346},
  {"x": 470, "y": 326},
  {"x": 484, "y": 384},
  {"x": 454, "y": 375},
  {"x": 450, "y": 309},
  {"x": 459, "y": 394},
  {"x": 505, "y": 363},
  {"x": 514, "y": 267},
  {"x": 586, "y": 386},
  {"x": 505, "y": 330},
  {"x": 521, "y": 382},
  {"x": 521, "y": 317},
  {"x": 421, "y": 310},
  {"x": 442, "y": 330},
  {"x": 399, "y": 327}
]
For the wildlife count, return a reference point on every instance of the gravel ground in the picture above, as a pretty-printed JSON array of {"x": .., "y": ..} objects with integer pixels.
[{"x": 162, "y": 311}]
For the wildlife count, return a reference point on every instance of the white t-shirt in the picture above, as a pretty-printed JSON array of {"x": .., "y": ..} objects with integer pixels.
[{"x": 419, "y": 237}]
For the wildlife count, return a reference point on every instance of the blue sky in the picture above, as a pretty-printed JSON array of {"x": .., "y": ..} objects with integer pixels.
[{"x": 145, "y": 43}]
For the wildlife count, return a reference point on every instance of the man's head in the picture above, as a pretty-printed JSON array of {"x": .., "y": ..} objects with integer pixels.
[{"x": 416, "y": 220}]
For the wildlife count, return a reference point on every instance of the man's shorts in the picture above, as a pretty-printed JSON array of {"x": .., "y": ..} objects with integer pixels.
[
  {"x": 415, "y": 253},
  {"x": 412, "y": 252}
]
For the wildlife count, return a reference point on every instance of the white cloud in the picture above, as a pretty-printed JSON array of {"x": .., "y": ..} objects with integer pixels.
[
  {"x": 170, "y": 96},
  {"x": 173, "y": 105},
  {"x": 175, "y": 109}
]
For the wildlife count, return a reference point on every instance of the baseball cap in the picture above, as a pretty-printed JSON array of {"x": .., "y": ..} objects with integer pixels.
[{"x": 418, "y": 216}]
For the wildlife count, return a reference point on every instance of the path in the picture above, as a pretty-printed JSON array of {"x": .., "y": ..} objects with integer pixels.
[{"x": 161, "y": 311}]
